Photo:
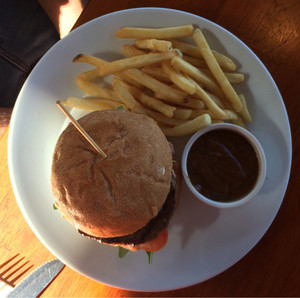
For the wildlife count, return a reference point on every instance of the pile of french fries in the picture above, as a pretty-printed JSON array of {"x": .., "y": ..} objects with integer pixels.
[{"x": 182, "y": 86}]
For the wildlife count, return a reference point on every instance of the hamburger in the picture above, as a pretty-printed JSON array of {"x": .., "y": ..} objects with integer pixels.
[{"x": 126, "y": 199}]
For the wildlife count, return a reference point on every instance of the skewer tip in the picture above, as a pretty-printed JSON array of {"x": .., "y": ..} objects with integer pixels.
[{"x": 81, "y": 129}]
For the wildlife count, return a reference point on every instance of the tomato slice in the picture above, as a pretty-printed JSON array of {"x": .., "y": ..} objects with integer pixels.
[
  {"x": 153, "y": 245},
  {"x": 156, "y": 244}
]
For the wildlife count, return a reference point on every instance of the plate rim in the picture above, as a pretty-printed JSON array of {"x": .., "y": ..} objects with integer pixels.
[{"x": 15, "y": 112}]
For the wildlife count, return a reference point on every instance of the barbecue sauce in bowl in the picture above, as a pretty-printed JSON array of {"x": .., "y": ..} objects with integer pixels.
[{"x": 222, "y": 165}]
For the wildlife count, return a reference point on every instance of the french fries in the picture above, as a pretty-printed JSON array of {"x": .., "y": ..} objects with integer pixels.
[
  {"x": 183, "y": 87},
  {"x": 193, "y": 51},
  {"x": 134, "y": 62},
  {"x": 178, "y": 78},
  {"x": 152, "y": 102},
  {"x": 156, "y": 45},
  {"x": 125, "y": 96},
  {"x": 209, "y": 102},
  {"x": 88, "y": 75},
  {"x": 197, "y": 75},
  {"x": 167, "y": 93},
  {"x": 158, "y": 33},
  {"x": 157, "y": 73},
  {"x": 235, "y": 78},
  {"x": 129, "y": 50},
  {"x": 89, "y": 59},
  {"x": 216, "y": 70},
  {"x": 244, "y": 112},
  {"x": 94, "y": 89},
  {"x": 182, "y": 113},
  {"x": 92, "y": 104},
  {"x": 188, "y": 127}
]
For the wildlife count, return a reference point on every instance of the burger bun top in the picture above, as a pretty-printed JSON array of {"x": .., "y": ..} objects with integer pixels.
[{"x": 117, "y": 195}]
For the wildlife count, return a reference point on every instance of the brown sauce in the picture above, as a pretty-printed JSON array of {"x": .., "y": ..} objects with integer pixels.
[{"x": 222, "y": 165}]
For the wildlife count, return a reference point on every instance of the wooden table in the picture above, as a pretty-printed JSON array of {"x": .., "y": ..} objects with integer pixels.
[{"x": 271, "y": 29}]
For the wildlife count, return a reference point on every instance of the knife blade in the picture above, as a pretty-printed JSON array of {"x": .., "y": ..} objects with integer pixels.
[{"x": 33, "y": 284}]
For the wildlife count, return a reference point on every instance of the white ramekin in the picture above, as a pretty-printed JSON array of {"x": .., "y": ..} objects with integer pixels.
[{"x": 260, "y": 156}]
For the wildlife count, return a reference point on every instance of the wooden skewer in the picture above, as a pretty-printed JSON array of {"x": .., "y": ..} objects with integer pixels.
[{"x": 81, "y": 129}]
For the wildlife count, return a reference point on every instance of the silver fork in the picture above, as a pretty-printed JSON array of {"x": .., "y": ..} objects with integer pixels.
[{"x": 12, "y": 270}]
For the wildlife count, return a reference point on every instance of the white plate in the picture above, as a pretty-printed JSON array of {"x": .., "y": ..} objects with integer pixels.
[{"x": 203, "y": 241}]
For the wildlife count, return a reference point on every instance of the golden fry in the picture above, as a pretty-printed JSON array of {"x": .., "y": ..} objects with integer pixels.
[
  {"x": 228, "y": 114},
  {"x": 159, "y": 118},
  {"x": 193, "y": 103},
  {"x": 92, "y": 104},
  {"x": 190, "y": 103},
  {"x": 156, "y": 72},
  {"x": 217, "y": 100},
  {"x": 239, "y": 121},
  {"x": 199, "y": 112},
  {"x": 168, "y": 93},
  {"x": 89, "y": 59},
  {"x": 224, "y": 61},
  {"x": 130, "y": 51},
  {"x": 217, "y": 71},
  {"x": 151, "y": 102},
  {"x": 133, "y": 62},
  {"x": 159, "y": 33},
  {"x": 182, "y": 113},
  {"x": 244, "y": 112},
  {"x": 124, "y": 95},
  {"x": 194, "y": 61},
  {"x": 211, "y": 105},
  {"x": 188, "y": 127},
  {"x": 197, "y": 75},
  {"x": 153, "y": 45},
  {"x": 233, "y": 77},
  {"x": 95, "y": 89},
  {"x": 88, "y": 75},
  {"x": 193, "y": 51},
  {"x": 123, "y": 76},
  {"x": 178, "y": 79}
]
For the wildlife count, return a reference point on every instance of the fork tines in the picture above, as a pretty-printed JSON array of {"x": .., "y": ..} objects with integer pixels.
[{"x": 13, "y": 269}]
